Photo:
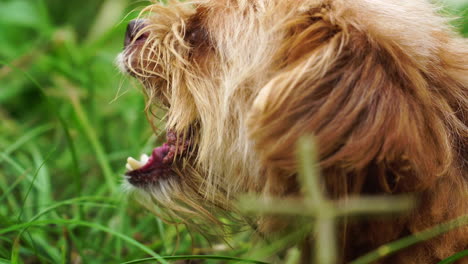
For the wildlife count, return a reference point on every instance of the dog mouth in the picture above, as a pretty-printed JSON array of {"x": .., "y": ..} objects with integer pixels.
[{"x": 159, "y": 165}]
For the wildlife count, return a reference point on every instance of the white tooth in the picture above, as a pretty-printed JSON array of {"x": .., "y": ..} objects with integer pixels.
[
  {"x": 144, "y": 158},
  {"x": 134, "y": 164},
  {"x": 128, "y": 167}
]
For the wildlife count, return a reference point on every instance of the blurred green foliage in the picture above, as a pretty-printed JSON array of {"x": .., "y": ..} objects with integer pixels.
[{"x": 68, "y": 120}]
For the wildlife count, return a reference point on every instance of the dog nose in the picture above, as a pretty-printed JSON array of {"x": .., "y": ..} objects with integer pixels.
[{"x": 133, "y": 29}]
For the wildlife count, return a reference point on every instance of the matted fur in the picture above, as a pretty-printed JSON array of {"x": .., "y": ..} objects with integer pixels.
[{"x": 382, "y": 84}]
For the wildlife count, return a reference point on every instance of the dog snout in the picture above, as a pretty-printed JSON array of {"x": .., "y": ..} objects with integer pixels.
[{"x": 133, "y": 32}]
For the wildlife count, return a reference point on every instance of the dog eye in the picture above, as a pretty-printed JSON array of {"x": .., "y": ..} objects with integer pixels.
[{"x": 196, "y": 34}]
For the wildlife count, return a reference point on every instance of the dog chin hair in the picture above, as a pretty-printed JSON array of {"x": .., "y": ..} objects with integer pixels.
[
  {"x": 160, "y": 190},
  {"x": 126, "y": 187},
  {"x": 120, "y": 62},
  {"x": 180, "y": 202}
]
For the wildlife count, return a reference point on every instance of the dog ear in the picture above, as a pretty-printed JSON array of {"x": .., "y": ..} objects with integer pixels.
[{"x": 371, "y": 103}]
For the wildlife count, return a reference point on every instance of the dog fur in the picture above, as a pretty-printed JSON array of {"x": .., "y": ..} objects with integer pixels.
[{"x": 382, "y": 84}]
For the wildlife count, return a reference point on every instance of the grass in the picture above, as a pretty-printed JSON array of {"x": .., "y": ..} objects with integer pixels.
[{"x": 68, "y": 122}]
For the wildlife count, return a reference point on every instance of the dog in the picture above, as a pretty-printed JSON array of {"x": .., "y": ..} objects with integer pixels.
[{"x": 381, "y": 84}]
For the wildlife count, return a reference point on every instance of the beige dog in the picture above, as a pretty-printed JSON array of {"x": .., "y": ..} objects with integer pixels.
[{"x": 382, "y": 84}]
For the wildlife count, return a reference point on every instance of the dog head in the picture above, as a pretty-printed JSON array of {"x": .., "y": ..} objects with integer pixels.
[{"x": 381, "y": 84}]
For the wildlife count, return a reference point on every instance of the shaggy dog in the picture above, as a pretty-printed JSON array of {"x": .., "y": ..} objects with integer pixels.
[{"x": 382, "y": 84}]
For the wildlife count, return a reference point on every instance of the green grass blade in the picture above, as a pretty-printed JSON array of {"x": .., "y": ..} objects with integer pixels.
[
  {"x": 78, "y": 200},
  {"x": 4, "y": 261},
  {"x": 308, "y": 170},
  {"x": 27, "y": 137},
  {"x": 15, "y": 251},
  {"x": 395, "y": 246},
  {"x": 124, "y": 237},
  {"x": 32, "y": 184},
  {"x": 455, "y": 257},
  {"x": 190, "y": 257},
  {"x": 96, "y": 145},
  {"x": 74, "y": 156},
  {"x": 54, "y": 109},
  {"x": 13, "y": 163},
  {"x": 6, "y": 193},
  {"x": 326, "y": 241}
]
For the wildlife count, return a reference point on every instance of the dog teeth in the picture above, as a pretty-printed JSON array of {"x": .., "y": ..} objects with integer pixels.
[
  {"x": 128, "y": 167},
  {"x": 133, "y": 164},
  {"x": 144, "y": 158}
]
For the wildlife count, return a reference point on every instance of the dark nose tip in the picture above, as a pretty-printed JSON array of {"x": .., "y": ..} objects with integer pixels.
[{"x": 133, "y": 31}]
